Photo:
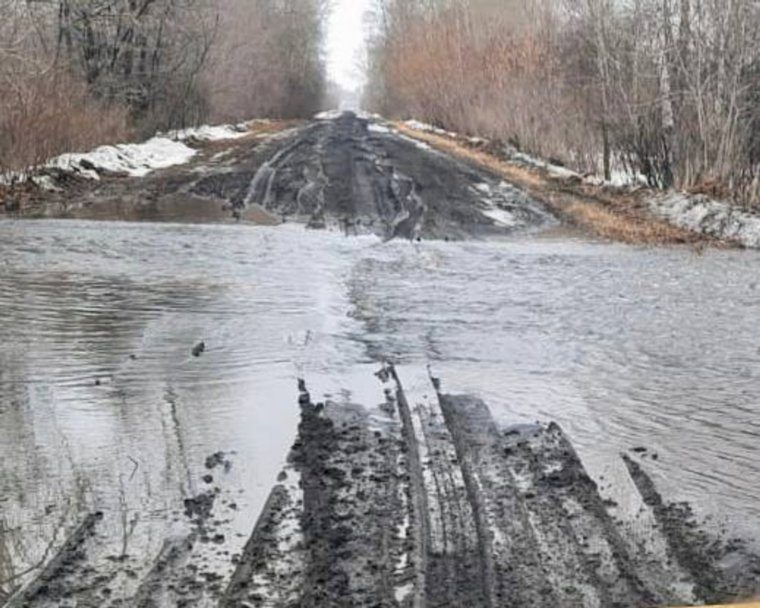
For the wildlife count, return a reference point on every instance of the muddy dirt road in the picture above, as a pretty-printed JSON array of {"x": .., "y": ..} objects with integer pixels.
[
  {"x": 345, "y": 173},
  {"x": 566, "y": 423}
]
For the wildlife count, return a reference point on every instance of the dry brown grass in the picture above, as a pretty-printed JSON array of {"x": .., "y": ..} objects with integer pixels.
[{"x": 616, "y": 217}]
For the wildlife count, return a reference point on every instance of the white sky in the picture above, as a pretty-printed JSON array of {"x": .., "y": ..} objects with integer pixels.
[{"x": 345, "y": 43}]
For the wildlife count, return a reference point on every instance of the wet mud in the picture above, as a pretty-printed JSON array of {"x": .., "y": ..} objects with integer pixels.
[
  {"x": 428, "y": 502},
  {"x": 418, "y": 500},
  {"x": 208, "y": 189},
  {"x": 346, "y": 174},
  {"x": 83, "y": 571},
  {"x": 349, "y": 174}
]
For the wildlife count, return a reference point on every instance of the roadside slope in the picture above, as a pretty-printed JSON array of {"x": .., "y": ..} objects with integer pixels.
[{"x": 609, "y": 213}]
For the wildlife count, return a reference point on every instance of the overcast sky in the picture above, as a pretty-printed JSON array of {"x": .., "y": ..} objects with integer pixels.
[{"x": 345, "y": 42}]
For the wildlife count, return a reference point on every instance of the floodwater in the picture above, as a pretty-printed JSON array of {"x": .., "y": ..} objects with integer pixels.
[{"x": 103, "y": 406}]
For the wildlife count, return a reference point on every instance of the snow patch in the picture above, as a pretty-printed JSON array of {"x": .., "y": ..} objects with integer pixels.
[
  {"x": 553, "y": 170},
  {"x": 621, "y": 178},
  {"x": 403, "y": 592},
  {"x": 210, "y": 133},
  {"x": 136, "y": 160},
  {"x": 375, "y": 128},
  {"x": 500, "y": 216},
  {"x": 426, "y": 128},
  {"x": 421, "y": 145},
  {"x": 369, "y": 115},
  {"x": 706, "y": 216},
  {"x": 45, "y": 182},
  {"x": 328, "y": 115}
]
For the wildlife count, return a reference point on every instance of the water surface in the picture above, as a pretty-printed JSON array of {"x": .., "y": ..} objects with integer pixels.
[{"x": 103, "y": 406}]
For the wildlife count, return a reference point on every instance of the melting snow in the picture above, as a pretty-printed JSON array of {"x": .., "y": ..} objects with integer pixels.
[
  {"x": 328, "y": 115},
  {"x": 210, "y": 133},
  {"x": 710, "y": 217},
  {"x": 375, "y": 128},
  {"x": 136, "y": 160}
]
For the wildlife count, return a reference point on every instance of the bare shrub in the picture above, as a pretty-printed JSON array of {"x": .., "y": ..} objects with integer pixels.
[
  {"x": 45, "y": 109},
  {"x": 42, "y": 116}
]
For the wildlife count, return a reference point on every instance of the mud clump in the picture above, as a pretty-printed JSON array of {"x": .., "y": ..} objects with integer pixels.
[
  {"x": 200, "y": 507},
  {"x": 219, "y": 459}
]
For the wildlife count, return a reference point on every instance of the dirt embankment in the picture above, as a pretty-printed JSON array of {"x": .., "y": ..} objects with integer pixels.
[
  {"x": 360, "y": 178},
  {"x": 608, "y": 212},
  {"x": 346, "y": 174}
]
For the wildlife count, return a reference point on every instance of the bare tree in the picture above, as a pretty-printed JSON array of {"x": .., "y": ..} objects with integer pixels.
[
  {"x": 269, "y": 61},
  {"x": 665, "y": 88}
]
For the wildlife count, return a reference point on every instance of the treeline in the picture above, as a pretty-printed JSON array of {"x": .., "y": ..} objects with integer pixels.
[
  {"x": 75, "y": 73},
  {"x": 666, "y": 88}
]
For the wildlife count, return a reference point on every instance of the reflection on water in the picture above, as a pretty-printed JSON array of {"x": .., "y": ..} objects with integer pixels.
[{"x": 103, "y": 406}]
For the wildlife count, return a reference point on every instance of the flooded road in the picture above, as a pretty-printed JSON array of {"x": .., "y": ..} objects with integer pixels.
[
  {"x": 104, "y": 409},
  {"x": 103, "y": 406}
]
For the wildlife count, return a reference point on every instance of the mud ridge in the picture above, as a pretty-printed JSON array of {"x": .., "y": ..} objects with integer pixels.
[
  {"x": 69, "y": 558},
  {"x": 699, "y": 554}
]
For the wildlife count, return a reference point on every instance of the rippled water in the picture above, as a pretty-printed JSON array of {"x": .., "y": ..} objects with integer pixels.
[
  {"x": 103, "y": 406},
  {"x": 623, "y": 346}
]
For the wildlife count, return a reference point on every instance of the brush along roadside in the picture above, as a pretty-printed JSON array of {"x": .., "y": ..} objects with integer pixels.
[{"x": 619, "y": 216}]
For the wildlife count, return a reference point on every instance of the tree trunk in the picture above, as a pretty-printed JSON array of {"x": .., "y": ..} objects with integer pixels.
[{"x": 666, "y": 101}]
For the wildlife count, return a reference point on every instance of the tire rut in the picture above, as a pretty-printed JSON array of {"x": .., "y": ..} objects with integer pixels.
[{"x": 419, "y": 499}]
